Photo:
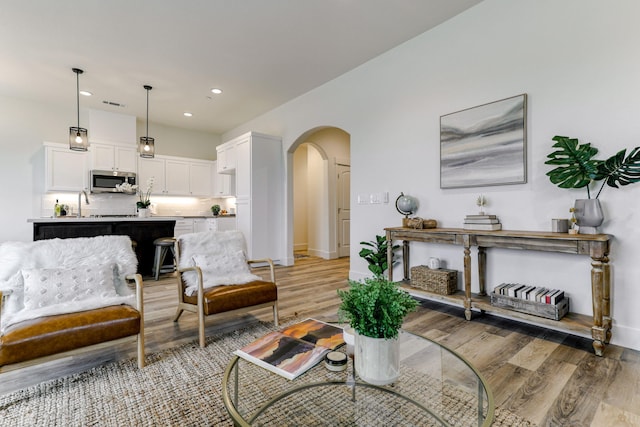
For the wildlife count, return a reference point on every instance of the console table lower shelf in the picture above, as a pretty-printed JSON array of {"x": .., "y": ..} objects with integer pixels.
[{"x": 577, "y": 324}]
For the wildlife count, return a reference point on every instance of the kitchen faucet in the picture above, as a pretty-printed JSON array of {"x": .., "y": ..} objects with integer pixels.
[{"x": 86, "y": 199}]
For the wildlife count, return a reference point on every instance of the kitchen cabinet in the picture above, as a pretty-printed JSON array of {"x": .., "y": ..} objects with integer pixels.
[
  {"x": 176, "y": 176},
  {"x": 183, "y": 226},
  {"x": 260, "y": 194},
  {"x": 113, "y": 158},
  {"x": 65, "y": 169},
  {"x": 226, "y": 158},
  {"x": 200, "y": 174},
  {"x": 152, "y": 169},
  {"x": 201, "y": 224},
  {"x": 223, "y": 185}
]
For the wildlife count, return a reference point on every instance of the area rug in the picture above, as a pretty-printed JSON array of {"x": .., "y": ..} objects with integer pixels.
[{"x": 178, "y": 387}]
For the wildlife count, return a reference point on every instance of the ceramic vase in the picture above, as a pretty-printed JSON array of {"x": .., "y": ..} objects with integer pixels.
[
  {"x": 377, "y": 360},
  {"x": 143, "y": 213},
  {"x": 589, "y": 216}
]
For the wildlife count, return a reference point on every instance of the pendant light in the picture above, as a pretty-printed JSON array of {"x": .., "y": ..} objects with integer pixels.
[
  {"x": 78, "y": 139},
  {"x": 146, "y": 146}
]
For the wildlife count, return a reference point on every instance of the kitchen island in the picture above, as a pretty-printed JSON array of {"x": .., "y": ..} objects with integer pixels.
[{"x": 141, "y": 230}]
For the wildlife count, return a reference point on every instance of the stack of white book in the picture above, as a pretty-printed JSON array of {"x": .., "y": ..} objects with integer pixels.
[{"x": 482, "y": 222}]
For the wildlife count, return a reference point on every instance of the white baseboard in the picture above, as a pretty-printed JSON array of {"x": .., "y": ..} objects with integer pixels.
[{"x": 626, "y": 336}]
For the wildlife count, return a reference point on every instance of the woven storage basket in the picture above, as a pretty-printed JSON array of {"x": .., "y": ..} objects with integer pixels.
[{"x": 440, "y": 281}]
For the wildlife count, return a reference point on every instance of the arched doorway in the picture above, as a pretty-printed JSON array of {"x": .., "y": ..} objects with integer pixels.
[{"x": 320, "y": 193}]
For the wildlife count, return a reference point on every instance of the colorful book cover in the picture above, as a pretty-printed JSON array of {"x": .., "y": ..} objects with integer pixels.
[{"x": 295, "y": 349}]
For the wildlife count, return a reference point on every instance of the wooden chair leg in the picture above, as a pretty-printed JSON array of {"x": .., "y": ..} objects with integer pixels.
[
  {"x": 201, "y": 328},
  {"x": 275, "y": 314},
  {"x": 141, "y": 356},
  {"x": 178, "y": 314}
]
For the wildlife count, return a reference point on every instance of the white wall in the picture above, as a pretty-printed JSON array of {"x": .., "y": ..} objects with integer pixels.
[
  {"x": 575, "y": 60},
  {"x": 300, "y": 191},
  {"x": 173, "y": 141}
]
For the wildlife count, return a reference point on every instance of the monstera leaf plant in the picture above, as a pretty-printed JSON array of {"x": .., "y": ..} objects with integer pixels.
[{"x": 577, "y": 168}]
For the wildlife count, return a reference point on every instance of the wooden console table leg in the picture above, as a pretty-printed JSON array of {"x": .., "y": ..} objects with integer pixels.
[
  {"x": 606, "y": 296},
  {"x": 405, "y": 259},
  {"x": 482, "y": 267},
  {"x": 599, "y": 330},
  {"x": 467, "y": 278}
]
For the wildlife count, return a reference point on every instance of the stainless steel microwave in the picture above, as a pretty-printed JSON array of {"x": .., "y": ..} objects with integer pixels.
[{"x": 106, "y": 181}]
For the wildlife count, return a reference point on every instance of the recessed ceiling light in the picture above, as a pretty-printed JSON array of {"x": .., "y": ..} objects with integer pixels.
[
  {"x": 216, "y": 91},
  {"x": 187, "y": 114},
  {"x": 85, "y": 93}
]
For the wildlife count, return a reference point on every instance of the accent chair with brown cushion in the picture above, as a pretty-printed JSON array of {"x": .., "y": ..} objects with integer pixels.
[
  {"x": 62, "y": 296},
  {"x": 214, "y": 277}
]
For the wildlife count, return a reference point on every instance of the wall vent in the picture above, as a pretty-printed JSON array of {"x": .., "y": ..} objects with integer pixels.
[{"x": 113, "y": 103}]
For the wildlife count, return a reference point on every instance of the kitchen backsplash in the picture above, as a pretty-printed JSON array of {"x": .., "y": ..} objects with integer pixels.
[{"x": 122, "y": 204}]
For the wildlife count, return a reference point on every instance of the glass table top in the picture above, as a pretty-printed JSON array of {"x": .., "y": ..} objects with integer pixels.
[{"x": 436, "y": 387}]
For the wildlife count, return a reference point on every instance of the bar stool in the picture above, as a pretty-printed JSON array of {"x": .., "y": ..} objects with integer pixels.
[{"x": 163, "y": 244}]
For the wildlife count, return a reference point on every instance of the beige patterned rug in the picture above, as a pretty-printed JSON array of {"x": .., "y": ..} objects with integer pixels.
[{"x": 178, "y": 387}]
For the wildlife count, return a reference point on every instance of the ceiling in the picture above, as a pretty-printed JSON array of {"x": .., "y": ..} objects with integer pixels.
[{"x": 261, "y": 53}]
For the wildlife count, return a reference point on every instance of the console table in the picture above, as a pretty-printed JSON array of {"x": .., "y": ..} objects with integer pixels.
[{"x": 596, "y": 246}]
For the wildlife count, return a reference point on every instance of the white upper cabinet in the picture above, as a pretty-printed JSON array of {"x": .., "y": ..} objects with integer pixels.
[
  {"x": 65, "y": 169},
  {"x": 152, "y": 169},
  {"x": 112, "y": 128},
  {"x": 223, "y": 185},
  {"x": 200, "y": 178},
  {"x": 176, "y": 176},
  {"x": 226, "y": 154},
  {"x": 113, "y": 158}
]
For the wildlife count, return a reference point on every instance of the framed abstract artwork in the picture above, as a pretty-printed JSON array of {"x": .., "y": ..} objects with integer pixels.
[{"x": 484, "y": 145}]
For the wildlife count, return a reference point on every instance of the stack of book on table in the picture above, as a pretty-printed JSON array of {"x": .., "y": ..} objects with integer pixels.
[
  {"x": 482, "y": 222},
  {"x": 530, "y": 293},
  {"x": 295, "y": 349}
]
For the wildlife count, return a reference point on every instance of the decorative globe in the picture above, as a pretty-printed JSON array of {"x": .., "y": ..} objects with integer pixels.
[{"x": 406, "y": 205}]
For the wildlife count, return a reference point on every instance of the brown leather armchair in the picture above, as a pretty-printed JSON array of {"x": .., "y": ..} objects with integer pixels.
[
  {"x": 195, "y": 254},
  {"x": 35, "y": 336}
]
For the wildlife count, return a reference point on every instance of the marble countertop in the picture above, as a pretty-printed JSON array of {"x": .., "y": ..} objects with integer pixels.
[{"x": 72, "y": 219}]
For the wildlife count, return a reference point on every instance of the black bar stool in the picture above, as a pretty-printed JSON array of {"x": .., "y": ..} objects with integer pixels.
[{"x": 163, "y": 244}]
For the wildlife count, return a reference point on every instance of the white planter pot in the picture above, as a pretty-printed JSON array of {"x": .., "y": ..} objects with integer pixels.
[
  {"x": 377, "y": 360},
  {"x": 143, "y": 213}
]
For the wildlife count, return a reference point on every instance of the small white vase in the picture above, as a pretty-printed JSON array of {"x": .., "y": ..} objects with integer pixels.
[
  {"x": 377, "y": 360},
  {"x": 143, "y": 213}
]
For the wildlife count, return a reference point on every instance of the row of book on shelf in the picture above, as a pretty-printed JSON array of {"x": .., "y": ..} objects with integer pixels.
[
  {"x": 482, "y": 222},
  {"x": 530, "y": 293}
]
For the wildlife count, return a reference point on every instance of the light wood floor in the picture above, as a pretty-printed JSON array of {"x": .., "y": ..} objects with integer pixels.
[{"x": 550, "y": 378}]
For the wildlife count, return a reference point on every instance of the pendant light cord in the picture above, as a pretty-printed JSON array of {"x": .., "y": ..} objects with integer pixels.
[{"x": 78, "y": 97}]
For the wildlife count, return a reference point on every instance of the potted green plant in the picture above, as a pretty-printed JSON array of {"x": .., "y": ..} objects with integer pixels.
[
  {"x": 376, "y": 255},
  {"x": 215, "y": 210},
  {"x": 375, "y": 309},
  {"x": 577, "y": 168}
]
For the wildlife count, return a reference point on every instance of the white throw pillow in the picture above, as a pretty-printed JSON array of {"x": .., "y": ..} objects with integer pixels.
[
  {"x": 229, "y": 268},
  {"x": 50, "y": 286}
]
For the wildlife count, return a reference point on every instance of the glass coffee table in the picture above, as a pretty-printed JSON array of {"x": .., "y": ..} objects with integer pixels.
[{"x": 437, "y": 387}]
